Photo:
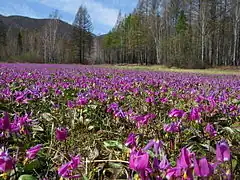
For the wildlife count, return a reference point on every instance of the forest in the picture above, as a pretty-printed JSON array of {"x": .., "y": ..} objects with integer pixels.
[{"x": 179, "y": 33}]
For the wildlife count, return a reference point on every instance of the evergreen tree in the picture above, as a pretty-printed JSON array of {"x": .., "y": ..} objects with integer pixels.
[
  {"x": 82, "y": 35},
  {"x": 20, "y": 43}
]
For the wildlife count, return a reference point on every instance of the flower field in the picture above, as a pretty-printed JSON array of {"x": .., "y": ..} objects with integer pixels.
[{"x": 84, "y": 122}]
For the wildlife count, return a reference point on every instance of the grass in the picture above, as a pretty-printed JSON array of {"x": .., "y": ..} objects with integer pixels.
[{"x": 217, "y": 70}]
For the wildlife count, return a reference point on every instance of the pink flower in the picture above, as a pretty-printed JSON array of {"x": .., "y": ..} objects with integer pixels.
[
  {"x": 223, "y": 151},
  {"x": 210, "y": 130},
  {"x": 6, "y": 162},
  {"x": 176, "y": 113},
  {"x": 202, "y": 167},
  {"x": 61, "y": 134},
  {"x": 66, "y": 170},
  {"x": 139, "y": 161},
  {"x": 32, "y": 152}
]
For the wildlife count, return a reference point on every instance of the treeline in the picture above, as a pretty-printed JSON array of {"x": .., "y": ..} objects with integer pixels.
[
  {"x": 182, "y": 33},
  {"x": 49, "y": 44}
]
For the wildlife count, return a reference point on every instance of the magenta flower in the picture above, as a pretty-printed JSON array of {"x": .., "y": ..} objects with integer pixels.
[
  {"x": 194, "y": 115},
  {"x": 184, "y": 161},
  {"x": 223, "y": 151},
  {"x": 5, "y": 122},
  {"x": 156, "y": 144},
  {"x": 210, "y": 130},
  {"x": 32, "y": 152},
  {"x": 131, "y": 140},
  {"x": 164, "y": 164},
  {"x": 176, "y": 113},
  {"x": 202, "y": 167},
  {"x": 172, "y": 127},
  {"x": 66, "y": 170},
  {"x": 139, "y": 161},
  {"x": 61, "y": 134},
  {"x": 6, "y": 162}
]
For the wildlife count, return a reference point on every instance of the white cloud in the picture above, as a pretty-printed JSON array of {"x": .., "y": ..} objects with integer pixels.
[
  {"x": 17, "y": 9},
  {"x": 99, "y": 13}
]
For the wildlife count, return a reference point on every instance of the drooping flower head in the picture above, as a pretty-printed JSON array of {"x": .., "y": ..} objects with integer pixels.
[
  {"x": 131, "y": 140},
  {"x": 32, "y": 152},
  {"x": 172, "y": 127},
  {"x": 176, "y": 113},
  {"x": 202, "y": 167},
  {"x": 61, "y": 134},
  {"x": 66, "y": 170},
  {"x": 6, "y": 162},
  {"x": 223, "y": 151},
  {"x": 194, "y": 115},
  {"x": 210, "y": 130}
]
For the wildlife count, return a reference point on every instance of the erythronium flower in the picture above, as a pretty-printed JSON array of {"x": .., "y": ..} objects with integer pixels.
[
  {"x": 176, "y": 113},
  {"x": 66, "y": 170},
  {"x": 139, "y": 161},
  {"x": 194, "y": 115},
  {"x": 61, "y": 134},
  {"x": 210, "y": 130},
  {"x": 202, "y": 167},
  {"x": 32, "y": 152},
  {"x": 164, "y": 164},
  {"x": 5, "y": 122},
  {"x": 156, "y": 144},
  {"x": 6, "y": 162},
  {"x": 223, "y": 151},
  {"x": 144, "y": 119},
  {"x": 131, "y": 140},
  {"x": 172, "y": 127},
  {"x": 184, "y": 160}
]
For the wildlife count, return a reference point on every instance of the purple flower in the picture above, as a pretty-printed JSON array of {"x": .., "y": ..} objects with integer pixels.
[
  {"x": 150, "y": 99},
  {"x": 156, "y": 144},
  {"x": 210, "y": 130},
  {"x": 176, "y": 113},
  {"x": 202, "y": 167},
  {"x": 6, "y": 162},
  {"x": 131, "y": 140},
  {"x": 223, "y": 151},
  {"x": 66, "y": 170},
  {"x": 194, "y": 115},
  {"x": 61, "y": 134},
  {"x": 82, "y": 101},
  {"x": 32, "y": 152},
  {"x": 164, "y": 164},
  {"x": 172, "y": 127},
  {"x": 144, "y": 119},
  {"x": 70, "y": 104},
  {"x": 5, "y": 122},
  {"x": 184, "y": 160},
  {"x": 139, "y": 161}
]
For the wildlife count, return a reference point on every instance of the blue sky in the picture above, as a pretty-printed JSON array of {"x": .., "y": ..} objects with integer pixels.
[{"x": 103, "y": 12}]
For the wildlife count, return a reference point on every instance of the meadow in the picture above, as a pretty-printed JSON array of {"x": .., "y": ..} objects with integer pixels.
[{"x": 90, "y": 122}]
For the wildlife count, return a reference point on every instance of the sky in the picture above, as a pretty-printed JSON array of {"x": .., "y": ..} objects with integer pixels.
[{"x": 103, "y": 13}]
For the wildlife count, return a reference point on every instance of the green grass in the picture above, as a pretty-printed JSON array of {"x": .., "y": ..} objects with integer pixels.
[{"x": 219, "y": 70}]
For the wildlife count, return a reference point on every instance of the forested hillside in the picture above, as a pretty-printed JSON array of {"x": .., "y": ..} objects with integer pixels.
[{"x": 181, "y": 33}]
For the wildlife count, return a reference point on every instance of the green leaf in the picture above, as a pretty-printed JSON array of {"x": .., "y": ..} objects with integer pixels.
[
  {"x": 34, "y": 164},
  {"x": 85, "y": 178},
  {"x": 113, "y": 144},
  {"x": 27, "y": 177}
]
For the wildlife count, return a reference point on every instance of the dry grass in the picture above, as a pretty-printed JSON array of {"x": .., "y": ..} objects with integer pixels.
[{"x": 217, "y": 70}]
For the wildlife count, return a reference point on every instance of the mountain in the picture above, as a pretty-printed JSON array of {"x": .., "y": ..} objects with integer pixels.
[{"x": 21, "y": 22}]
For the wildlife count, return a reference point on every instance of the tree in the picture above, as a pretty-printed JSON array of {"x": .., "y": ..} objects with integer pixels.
[
  {"x": 82, "y": 35},
  {"x": 20, "y": 43},
  {"x": 49, "y": 37},
  {"x": 3, "y": 41}
]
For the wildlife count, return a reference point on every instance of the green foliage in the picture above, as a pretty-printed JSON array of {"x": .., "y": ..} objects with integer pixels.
[{"x": 181, "y": 25}]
